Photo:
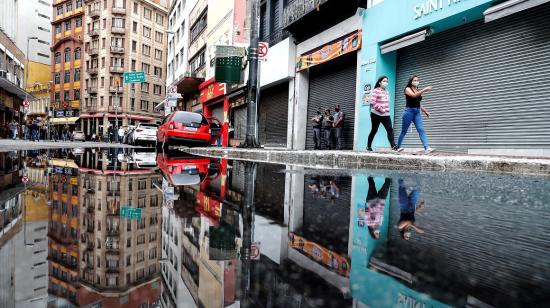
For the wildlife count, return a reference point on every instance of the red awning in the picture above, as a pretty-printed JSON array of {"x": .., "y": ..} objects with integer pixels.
[
  {"x": 141, "y": 118},
  {"x": 95, "y": 115},
  {"x": 112, "y": 115}
]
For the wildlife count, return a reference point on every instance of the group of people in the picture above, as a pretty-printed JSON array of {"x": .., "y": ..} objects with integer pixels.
[
  {"x": 380, "y": 112},
  {"x": 327, "y": 129},
  {"x": 36, "y": 130}
]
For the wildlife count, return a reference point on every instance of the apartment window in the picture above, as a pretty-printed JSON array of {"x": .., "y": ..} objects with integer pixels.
[
  {"x": 76, "y": 74},
  {"x": 160, "y": 19},
  {"x": 67, "y": 95},
  {"x": 118, "y": 22},
  {"x": 57, "y": 96},
  {"x": 133, "y": 70},
  {"x": 134, "y": 26},
  {"x": 158, "y": 72},
  {"x": 57, "y": 29},
  {"x": 78, "y": 22},
  {"x": 158, "y": 54},
  {"x": 102, "y": 84},
  {"x": 139, "y": 258},
  {"x": 152, "y": 253},
  {"x": 103, "y": 43},
  {"x": 67, "y": 25},
  {"x": 103, "y": 62},
  {"x": 158, "y": 37},
  {"x": 141, "y": 239},
  {"x": 144, "y": 105},
  {"x": 57, "y": 78},
  {"x": 136, "y": 8},
  {"x": 119, "y": 4},
  {"x": 198, "y": 27},
  {"x": 146, "y": 50},
  {"x": 141, "y": 203},
  {"x": 152, "y": 237},
  {"x": 77, "y": 95},
  {"x": 57, "y": 57},
  {"x": 145, "y": 67},
  {"x": 147, "y": 13},
  {"x": 198, "y": 61},
  {"x": 60, "y": 10},
  {"x": 78, "y": 3},
  {"x": 157, "y": 89},
  {"x": 146, "y": 32},
  {"x": 141, "y": 224},
  {"x": 128, "y": 260},
  {"x": 134, "y": 46},
  {"x": 67, "y": 55},
  {"x": 77, "y": 53},
  {"x": 69, "y": 6},
  {"x": 144, "y": 89},
  {"x": 67, "y": 77}
]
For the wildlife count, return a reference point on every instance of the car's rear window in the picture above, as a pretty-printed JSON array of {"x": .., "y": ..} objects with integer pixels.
[
  {"x": 148, "y": 125},
  {"x": 189, "y": 118}
]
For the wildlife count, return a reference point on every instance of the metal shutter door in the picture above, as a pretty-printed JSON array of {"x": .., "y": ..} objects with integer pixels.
[
  {"x": 273, "y": 115},
  {"x": 330, "y": 84},
  {"x": 490, "y": 83},
  {"x": 217, "y": 112},
  {"x": 239, "y": 122}
]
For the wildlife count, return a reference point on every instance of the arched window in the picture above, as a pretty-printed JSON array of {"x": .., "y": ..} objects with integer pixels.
[
  {"x": 77, "y": 54},
  {"x": 57, "y": 57},
  {"x": 67, "y": 54}
]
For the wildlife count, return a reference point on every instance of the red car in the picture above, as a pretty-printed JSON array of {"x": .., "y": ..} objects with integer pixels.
[
  {"x": 185, "y": 169},
  {"x": 184, "y": 128}
]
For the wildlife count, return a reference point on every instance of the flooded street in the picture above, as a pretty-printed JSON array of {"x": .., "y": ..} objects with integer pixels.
[{"x": 136, "y": 228}]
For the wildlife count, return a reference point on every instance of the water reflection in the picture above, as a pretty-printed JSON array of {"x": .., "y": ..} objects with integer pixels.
[{"x": 135, "y": 228}]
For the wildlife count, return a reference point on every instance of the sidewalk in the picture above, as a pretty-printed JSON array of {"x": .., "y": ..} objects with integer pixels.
[
  {"x": 15, "y": 145},
  {"x": 438, "y": 161}
]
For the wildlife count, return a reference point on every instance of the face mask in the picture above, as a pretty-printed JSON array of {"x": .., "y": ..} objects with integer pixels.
[
  {"x": 415, "y": 83},
  {"x": 384, "y": 84}
]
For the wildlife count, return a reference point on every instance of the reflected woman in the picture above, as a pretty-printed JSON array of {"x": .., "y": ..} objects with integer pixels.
[
  {"x": 408, "y": 205},
  {"x": 374, "y": 209}
]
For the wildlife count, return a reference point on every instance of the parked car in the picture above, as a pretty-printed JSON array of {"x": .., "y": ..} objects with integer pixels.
[
  {"x": 144, "y": 159},
  {"x": 185, "y": 169},
  {"x": 144, "y": 132},
  {"x": 184, "y": 128},
  {"x": 78, "y": 135}
]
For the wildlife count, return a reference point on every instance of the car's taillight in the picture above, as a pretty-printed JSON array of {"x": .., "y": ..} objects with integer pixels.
[{"x": 171, "y": 125}]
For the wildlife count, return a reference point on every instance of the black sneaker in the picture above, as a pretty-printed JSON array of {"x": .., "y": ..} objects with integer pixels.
[{"x": 369, "y": 150}]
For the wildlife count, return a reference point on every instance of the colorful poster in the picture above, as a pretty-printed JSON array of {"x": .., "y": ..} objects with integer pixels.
[
  {"x": 341, "y": 46},
  {"x": 322, "y": 255}
]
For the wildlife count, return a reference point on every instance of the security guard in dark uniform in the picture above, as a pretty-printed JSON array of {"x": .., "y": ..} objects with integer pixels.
[
  {"x": 317, "y": 127},
  {"x": 328, "y": 120}
]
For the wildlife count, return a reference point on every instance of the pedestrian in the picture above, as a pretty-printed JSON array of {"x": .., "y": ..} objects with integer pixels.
[
  {"x": 120, "y": 134},
  {"x": 374, "y": 207},
  {"x": 380, "y": 112},
  {"x": 328, "y": 120},
  {"x": 13, "y": 129},
  {"x": 55, "y": 134},
  {"x": 412, "y": 113},
  {"x": 338, "y": 126},
  {"x": 317, "y": 127},
  {"x": 65, "y": 133},
  {"x": 409, "y": 204},
  {"x": 34, "y": 131}
]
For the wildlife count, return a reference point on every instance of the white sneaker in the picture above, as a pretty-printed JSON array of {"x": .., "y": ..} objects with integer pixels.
[
  {"x": 429, "y": 150},
  {"x": 400, "y": 150}
]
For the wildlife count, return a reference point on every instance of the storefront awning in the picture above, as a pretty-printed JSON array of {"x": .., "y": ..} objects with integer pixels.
[
  {"x": 71, "y": 120},
  {"x": 12, "y": 88},
  {"x": 510, "y": 7},
  {"x": 63, "y": 163},
  {"x": 89, "y": 116},
  {"x": 405, "y": 41},
  {"x": 141, "y": 118}
]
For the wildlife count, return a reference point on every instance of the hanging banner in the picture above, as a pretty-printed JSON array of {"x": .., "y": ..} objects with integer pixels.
[{"x": 341, "y": 46}]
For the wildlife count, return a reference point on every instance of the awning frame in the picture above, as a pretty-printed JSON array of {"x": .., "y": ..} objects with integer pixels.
[
  {"x": 510, "y": 7},
  {"x": 405, "y": 41}
]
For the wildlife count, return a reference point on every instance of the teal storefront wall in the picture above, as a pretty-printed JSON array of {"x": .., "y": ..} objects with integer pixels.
[{"x": 392, "y": 19}]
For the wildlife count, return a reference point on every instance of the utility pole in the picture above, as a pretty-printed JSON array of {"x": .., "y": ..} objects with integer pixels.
[
  {"x": 27, "y": 75},
  {"x": 251, "y": 140}
]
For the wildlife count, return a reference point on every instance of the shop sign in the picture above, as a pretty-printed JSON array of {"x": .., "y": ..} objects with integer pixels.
[
  {"x": 430, "y": 6},
  {"x": 320, "y": 254},
  {"x": 212, "y": 91},
  {"x": 238, "y": 101},
  {"x": 60, "y": 114},
  {"x": 333, "y": 50}
]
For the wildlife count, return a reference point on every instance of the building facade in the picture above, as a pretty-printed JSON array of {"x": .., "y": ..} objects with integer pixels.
[
  {"x": 66, "y": 62},
  {"x": 123, "y": 36},
  {"x": 471, "y": 110}
]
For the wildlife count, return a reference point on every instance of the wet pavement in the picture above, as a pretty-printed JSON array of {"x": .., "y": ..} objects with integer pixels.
[{"x": 134, "y": 228}]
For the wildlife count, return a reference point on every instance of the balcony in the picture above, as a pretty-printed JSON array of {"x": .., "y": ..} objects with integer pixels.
[
  {"x": 112, "y": 270},
  {"x": 114, "y": 251},
  {"x": 92, "y": 90},
  {"x": 118, "y": 11},
  {"x": 117, "y": 49},
  {"x": 118, "y": 30},
  {"x": 93, "y": 33},
  {"x": 90, "y": 228},
  {"x": 93, "y": 51},
  {"x": 306, "y": 18},
  {"x": 90, "y": 209},
  {"x": 92, "y": 71},
  {"x": 113, "y": 232},
  {"x": 114, "y": 89},
  {"x": 117, "y": 69},
  {"x": 95, "y": 12}
]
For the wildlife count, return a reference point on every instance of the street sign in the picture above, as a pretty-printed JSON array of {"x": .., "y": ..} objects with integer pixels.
[
  {"x": 65, "y": 104},
  {"x": 173, "y": 90},
  {"x": 134, "y": 77},
  {"x": 26, "y": 103},
  {"x": 24, "y": 179},
  {"x": 255, "y": 251},
  {"x": 130, "y": 213},
  {"x": 263, "y": 48}
]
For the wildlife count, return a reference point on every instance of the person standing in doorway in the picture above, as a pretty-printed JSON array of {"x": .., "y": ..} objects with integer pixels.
[
  {"x": 328, "y": 120},
  {"x": 412, "y": 113},
  {"x": 380, "y": 112},
  {"x": 338, "y": 126},
  {"x": 317, "y": 126}
]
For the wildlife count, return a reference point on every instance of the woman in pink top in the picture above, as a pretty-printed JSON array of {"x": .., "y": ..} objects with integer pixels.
[{"x": 380, "y": 112}]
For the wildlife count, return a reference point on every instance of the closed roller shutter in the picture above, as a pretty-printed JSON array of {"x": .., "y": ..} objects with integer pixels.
[
  {"x": 273, "y": 115},
  {"x": 330, "y": 84},
  {"x": 217, "y": 112},
  {"x": 490, "y": 83},
  {"x": 239, "y": 122}
]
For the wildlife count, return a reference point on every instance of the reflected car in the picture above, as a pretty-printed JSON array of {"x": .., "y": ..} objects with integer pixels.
[
  {"x": 78, "y": 135},
  {"x": 184, "y": 128},
  {"x": 183, "y": 169},
  {"x": 144, "y": 159}
]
